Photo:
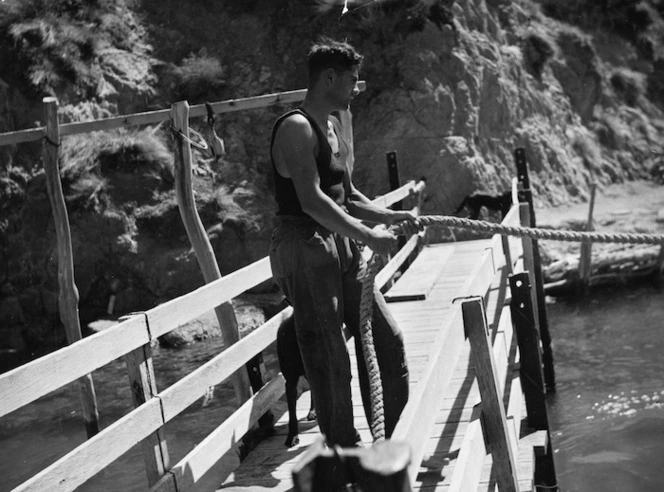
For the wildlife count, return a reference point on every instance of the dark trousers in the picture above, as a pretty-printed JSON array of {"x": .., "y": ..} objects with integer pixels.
[{"x": 320, "y": 273}]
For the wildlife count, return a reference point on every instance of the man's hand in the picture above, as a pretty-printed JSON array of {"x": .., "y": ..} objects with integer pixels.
[
  {"x": 408, "y": 222},
  {"x": 381, "y": 241}
]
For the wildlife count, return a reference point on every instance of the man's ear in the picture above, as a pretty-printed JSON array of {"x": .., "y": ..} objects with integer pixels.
[{"x": 330, "y": 76}]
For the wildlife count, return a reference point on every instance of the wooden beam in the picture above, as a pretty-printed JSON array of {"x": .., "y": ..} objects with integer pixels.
[
  {"x": 198, "y": 237},
  {"x": 420, "y": 412},
  {"x": 39, "y": 377},
  {"x": 585, "y": 259},
  {"x": 472, "y": 453},
  {"x": 153, "y": 117},
  {"x": 493, "y": 410},
  {"x": 187, "y": 390},
  {"x": 68, "y": 293},
  {"x": 190, "y": 469},
  {"x": 143, "y": 384},
  {"x": 98, "y": 452}
]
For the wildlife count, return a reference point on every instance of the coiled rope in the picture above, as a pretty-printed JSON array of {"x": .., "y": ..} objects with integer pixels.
[{"x": 367, "y": 298}]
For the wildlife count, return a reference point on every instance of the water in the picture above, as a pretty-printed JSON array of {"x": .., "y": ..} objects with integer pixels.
[
  {"x": 35, "y": 436},
  {"x": 607, "y": 416}
]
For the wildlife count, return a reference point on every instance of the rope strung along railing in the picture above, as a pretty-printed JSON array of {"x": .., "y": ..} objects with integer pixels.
[
  {"x": 540, "y": 233},
  {"x": 366, "y": 302}
]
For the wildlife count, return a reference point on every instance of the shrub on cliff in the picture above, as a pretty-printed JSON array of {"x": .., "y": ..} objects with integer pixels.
[
  {"x": 52, "y": 45},
  {"x": 121, "y": 167}
]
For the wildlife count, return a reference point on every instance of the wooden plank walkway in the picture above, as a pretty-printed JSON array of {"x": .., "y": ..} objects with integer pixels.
[{"x": 269, "y": 466}]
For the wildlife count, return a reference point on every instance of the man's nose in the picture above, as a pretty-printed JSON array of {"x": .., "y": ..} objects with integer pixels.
[{"x": 356, "y": 90}]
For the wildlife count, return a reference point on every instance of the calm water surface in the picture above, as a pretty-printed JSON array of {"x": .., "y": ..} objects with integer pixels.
[{"x": 607, "y": 416}]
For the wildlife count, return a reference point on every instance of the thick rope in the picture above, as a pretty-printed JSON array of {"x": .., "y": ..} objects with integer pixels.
[
  {"x": 537, "y": 233},
  {"x": 369, "y": 350},
  {"x": 366, "y": 302}
]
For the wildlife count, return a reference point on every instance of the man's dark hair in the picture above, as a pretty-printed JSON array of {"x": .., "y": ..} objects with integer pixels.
[{"x": 328, "y": 53}]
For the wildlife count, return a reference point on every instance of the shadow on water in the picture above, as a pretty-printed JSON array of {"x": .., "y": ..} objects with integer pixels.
[{"x": 607, "y": 416}]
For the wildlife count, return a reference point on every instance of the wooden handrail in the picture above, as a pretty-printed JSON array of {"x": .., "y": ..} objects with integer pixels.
[
  {"x": 39, "y": 377},
  {"x": 152, "y": 117},
  {"x": 26, "y": 383}
]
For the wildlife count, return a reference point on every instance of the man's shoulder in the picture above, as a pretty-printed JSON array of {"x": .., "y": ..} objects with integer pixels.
[{"x": 294, "y": 124}]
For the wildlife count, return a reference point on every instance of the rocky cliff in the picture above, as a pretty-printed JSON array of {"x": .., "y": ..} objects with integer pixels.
[{"x": 453, "y": 87}]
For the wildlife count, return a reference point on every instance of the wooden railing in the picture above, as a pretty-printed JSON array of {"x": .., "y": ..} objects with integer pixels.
[
  {"x": 132, "y": 338},
  {"x": 41, "y": 376}
]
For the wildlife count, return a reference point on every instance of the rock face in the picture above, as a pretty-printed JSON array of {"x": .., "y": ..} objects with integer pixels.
[{"x": 453, "y": 87}]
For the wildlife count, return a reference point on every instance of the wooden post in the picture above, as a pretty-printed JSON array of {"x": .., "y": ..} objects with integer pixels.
[
  {"x": 530, "y": 370},
  {"x": 543, "y": 322},
  {"x": 198, "y": 237},
  {"x": 494, "y": 418},
  {"x": 68, "y": 295},
  {"x": 144, "y": 387},
  {"x": 381, "y": 468},
  {"x": 585, "y": 260},
  {"x": 393, "y": 175},
  {"x": 395, "y": 183},
  {"x": 658, "y": 268}
]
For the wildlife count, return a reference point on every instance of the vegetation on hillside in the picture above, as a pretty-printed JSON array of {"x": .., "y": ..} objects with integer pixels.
[{"x": 586, "y": 74}]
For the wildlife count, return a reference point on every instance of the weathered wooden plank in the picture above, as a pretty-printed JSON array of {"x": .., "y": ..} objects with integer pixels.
[
  {"x": 409, "y": 189},
  {"x": 419, "y": 279},
  {"x": 419, "y": 413},
  {"x": 39, "y": 377},
  {"x": 152, "y": 117},
  {"x": 188, "y": 389},
  {"x": 67, "y": 290},
  {"x": 493, "y": 411},
  {"x": 184, "y": 194},
  {"x": 190, "y": 469},
  {"x": 143, "y": 384},
  {"x": 98, "y": 452},
  {"x": 466, "y": 474},
  {"x": 172, "y": 314},
  {"x": 388, "y": 271}
]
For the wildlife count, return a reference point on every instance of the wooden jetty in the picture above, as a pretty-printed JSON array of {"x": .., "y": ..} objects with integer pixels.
[{"x": 470, "y": 314}]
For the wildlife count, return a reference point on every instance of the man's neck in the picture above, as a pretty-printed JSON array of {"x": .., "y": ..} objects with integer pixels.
[{"x": 318, "y": 110}]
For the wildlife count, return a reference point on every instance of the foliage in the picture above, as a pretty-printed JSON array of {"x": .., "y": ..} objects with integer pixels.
[
  {"x": 50, "y": 44},
  {"x": 197, "y": 78},
  {"x": 93, "y": 163}
]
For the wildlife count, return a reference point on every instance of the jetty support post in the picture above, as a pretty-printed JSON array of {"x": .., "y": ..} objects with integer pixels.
[
  {"x": 585, "y": 259},
  {"x": 199, "y": 239},
  {"x": 525, "y": 195},
  {"x": 68, "y": 296},
  {"x": 530, "y": 371},
  {"x": 494, "y": 419}
]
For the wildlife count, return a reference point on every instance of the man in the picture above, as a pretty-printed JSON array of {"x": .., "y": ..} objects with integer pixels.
[{"x": 313, "y": 253}]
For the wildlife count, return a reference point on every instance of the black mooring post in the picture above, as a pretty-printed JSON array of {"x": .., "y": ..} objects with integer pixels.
[
  {"x": 531, "y": 374},
  {"x": 393, "y": 175},
  {"x": 395, "y": 183},
  {"x": 528, "y": 339},
  {"x": 525, "y": 194}
]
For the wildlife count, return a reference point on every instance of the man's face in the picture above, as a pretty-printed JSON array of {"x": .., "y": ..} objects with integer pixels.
[{"x": 345, "y": 88}]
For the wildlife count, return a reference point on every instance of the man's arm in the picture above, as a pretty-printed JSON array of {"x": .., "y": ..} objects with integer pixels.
[
  {"x": 361, "y": 207},
  {"x": 293, "y": 152}
]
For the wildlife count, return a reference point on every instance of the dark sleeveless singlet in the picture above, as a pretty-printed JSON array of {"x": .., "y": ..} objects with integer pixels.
[{"x": 331, "y": 169}]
